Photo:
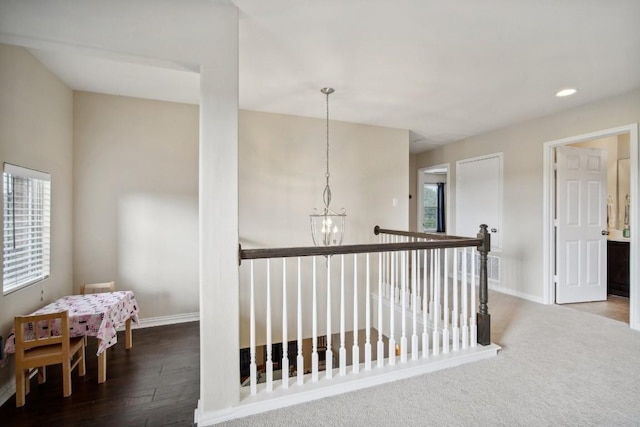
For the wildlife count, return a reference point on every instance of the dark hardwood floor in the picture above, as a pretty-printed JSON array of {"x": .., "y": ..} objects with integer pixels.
[{"x": 156, "y": 383}]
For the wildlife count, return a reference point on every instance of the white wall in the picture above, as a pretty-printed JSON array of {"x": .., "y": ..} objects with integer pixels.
[
  {"x": 136, "y": 199},
  {"x": 36, "y": 132},
  {"x": 282, "y": 166},
  {"x": 522, "y": 145}
]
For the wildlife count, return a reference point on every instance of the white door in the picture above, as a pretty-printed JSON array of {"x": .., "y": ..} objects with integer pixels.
[
  {"x": 479, "y": 197},
  {"x": 581, "y": 224}
]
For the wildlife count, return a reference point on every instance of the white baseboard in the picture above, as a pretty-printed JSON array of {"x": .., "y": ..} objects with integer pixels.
[
  {"x": 149, "y": 322},
  {"x": 511, "y": 292},
  {"x": 7, "y": 391}
]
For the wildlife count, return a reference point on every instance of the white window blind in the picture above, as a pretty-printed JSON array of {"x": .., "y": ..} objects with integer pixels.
[{"x": 26, "y": 227}]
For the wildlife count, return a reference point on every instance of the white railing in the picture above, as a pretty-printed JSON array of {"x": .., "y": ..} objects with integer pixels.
[{"x": 405, "y": 291}]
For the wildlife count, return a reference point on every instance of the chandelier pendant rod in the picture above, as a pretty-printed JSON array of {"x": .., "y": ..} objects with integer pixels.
[{"x": 326, "y": 195}]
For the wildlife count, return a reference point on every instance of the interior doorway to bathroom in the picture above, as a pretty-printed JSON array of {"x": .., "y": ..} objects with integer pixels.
[{"x": 619, "y": 202}]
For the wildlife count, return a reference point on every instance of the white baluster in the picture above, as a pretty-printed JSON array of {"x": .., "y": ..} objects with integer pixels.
[
  {"x": 392, "y": 309},
  {"x": 355, "y": 350},
  {"x": 314, "y": 339},
  {"x": 425, "y": 303},
  {"x": 380, "y": 348},
  {"x": 436, "y": 304},
  {"x": 300, "y": 364},
  {"x": 465, "y": 326},
  {"x": 455, "y": 315},
  {"x": 343, "y": 350},
  {"x": 367, "y": 315},
  {"x": 385, "y": 269},
  {"x": 403, "y": 305},
  {"x": 473, "y": 329},
  {"x": 414, "y": 295},
  {"x": 396, "y": 279},
  {"x": 328, "y": 353},
  {"x": 252, "y": 339},
  {"x": 445, "y": 304},
  {"x": 284, "y": 366},
  {"x": 418, "y": 287},
  {"x": 432, "y": 271},
  {"x": 410, "y": 284},
  {"x": 269, "y": 363}
]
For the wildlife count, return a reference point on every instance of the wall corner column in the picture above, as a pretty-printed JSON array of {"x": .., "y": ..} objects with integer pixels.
[{"x": 218, "y": 212}]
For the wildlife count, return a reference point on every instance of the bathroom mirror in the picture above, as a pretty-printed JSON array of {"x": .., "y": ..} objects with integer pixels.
[{"x": 624, "y": 182}]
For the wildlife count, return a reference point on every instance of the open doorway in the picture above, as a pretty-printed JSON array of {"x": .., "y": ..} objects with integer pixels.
[
  {"x": 433, "y": 199},
  {"x": 621, "y": 147}
]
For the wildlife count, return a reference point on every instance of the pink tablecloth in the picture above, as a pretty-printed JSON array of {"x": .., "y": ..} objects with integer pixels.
[{"x": 96, "y": 315}]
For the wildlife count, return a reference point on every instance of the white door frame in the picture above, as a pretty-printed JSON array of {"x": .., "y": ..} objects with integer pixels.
[
  {"x": 420, "y": 195},
  {"x": 548, "y": 208}
]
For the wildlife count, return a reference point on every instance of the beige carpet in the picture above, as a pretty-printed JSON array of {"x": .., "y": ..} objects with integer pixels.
[{"x": 558, "y": 367}]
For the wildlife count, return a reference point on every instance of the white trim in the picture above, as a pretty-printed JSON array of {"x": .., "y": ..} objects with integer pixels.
[
  {"x": 24, "y": 172},
  {"x": 548, "y": 206},
  {"x": 150, "y": 322},
  {"x": 8, "y": 390},
  {"x": 280, "y": 397},
  {"x": 634, "y": 272}
]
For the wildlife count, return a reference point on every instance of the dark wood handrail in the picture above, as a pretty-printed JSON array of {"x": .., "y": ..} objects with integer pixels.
[
  {"x": 433, "y": 236},
  {"x": 435, "y": 241},
  {"x": 355, "y": 249}
]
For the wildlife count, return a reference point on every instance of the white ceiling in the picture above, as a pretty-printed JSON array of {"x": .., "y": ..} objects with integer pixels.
[{"x": 443, "y": 69}]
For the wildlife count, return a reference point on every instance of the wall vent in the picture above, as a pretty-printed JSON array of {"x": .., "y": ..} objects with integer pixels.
[{"x": 493, "y": 266}]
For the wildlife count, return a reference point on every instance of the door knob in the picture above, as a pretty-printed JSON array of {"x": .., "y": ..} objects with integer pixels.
[
  {"x": 605, "y": 233},
  {"x": 494, "y": 230}
]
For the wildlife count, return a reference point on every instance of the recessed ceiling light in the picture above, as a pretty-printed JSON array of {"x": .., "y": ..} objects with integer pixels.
[{"x": 566, "y": 92}]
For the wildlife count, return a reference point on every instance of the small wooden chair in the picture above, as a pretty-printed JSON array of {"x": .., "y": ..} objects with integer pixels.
[
  {"x": 92, "y": 288},
  {"x": 36, "y": 352}
]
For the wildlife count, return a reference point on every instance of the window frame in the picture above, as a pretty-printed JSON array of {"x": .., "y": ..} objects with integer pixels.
[{"x": 33, "y": 203}]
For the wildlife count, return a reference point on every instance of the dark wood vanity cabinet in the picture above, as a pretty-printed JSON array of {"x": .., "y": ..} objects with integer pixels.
[{"x": 618, "y": 268}]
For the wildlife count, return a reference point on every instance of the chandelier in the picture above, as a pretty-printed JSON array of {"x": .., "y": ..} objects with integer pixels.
[{"x": 327, "y": 226}]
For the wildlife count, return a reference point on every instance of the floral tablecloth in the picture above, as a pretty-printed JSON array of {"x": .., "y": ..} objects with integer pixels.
[{"x": 96, "y": 315}]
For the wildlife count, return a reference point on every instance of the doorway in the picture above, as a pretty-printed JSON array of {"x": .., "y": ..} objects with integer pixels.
[
  {"x": 431, "y": 176},
  {"x": 549, "y": 212}
]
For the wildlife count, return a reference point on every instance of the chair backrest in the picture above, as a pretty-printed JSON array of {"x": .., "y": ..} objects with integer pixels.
[
  {"x": 38, "y": 330},
  {"x": 92, "y": 288}
]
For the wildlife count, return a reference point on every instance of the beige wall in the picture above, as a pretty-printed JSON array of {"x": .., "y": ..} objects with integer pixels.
[
  {"x": 36, "y": 132},
  {"x": 282, "y": 166},
  {"x": 522, "y": 145},
  {"x": 136, "y": 199}
]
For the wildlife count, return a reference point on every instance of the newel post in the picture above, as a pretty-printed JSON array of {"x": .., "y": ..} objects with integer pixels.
[{"x": 483, "y": 318}]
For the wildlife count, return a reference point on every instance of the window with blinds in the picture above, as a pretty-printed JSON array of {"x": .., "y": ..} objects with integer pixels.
[
  {"x": 26, "y": 227},
  {"x": 430, "y": 200}
]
